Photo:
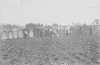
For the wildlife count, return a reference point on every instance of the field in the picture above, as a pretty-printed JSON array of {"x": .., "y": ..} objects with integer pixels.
[{"x": 79, "y": 47}]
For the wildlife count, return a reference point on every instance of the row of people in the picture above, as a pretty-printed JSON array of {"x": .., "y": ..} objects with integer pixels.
[
  {"x": 25, "y": 33},
  {"x": 11, "y": 35}
]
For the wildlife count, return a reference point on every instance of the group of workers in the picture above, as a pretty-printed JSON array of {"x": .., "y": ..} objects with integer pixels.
[{"x": 23, "y": 33}]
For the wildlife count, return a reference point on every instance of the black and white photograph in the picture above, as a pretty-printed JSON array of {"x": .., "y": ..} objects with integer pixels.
[{"x": 49, "y": 32}]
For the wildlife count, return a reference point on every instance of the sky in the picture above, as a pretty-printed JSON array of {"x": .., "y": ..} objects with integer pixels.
[{"x": 21, "y": 12}]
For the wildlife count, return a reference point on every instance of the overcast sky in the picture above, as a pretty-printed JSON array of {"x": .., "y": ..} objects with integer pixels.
[{"x": 48, "y": 11}]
